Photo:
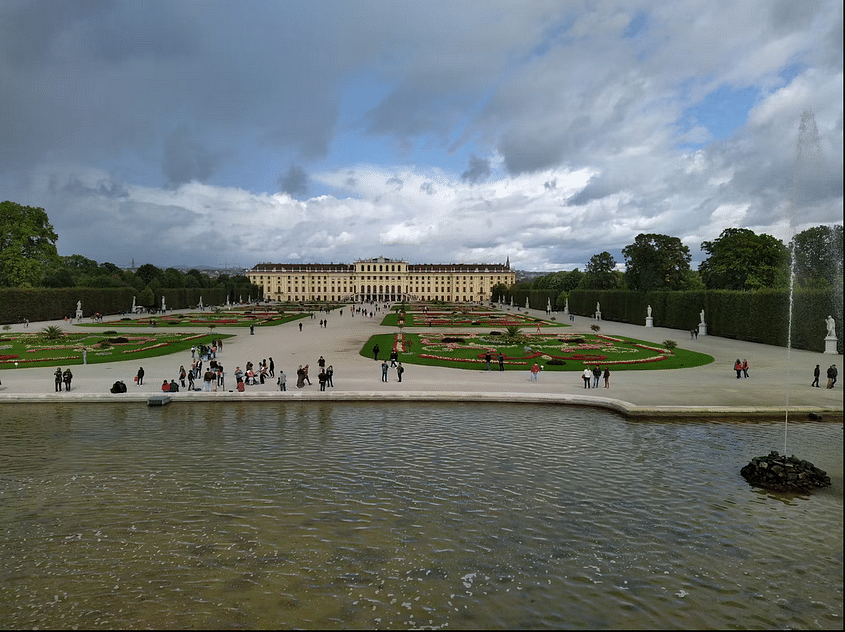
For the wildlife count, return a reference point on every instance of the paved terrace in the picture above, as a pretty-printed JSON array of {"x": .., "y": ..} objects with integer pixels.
[{"x": 708, "y": 390}]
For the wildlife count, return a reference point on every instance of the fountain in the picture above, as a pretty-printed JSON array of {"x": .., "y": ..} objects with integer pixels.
[{"x": 777, "y": 472}]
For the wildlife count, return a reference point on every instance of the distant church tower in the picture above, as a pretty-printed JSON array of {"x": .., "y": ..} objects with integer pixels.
[{"x": 508, "y": 263}]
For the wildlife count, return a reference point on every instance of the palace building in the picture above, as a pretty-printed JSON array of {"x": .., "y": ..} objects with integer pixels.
[{"x": 380, "y": 279}]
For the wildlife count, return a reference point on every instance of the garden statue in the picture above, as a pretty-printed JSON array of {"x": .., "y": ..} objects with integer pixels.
[
  {"x": 831, "y": 327},
  {"x": 648, "y": 309},
  {"x": 133, "y": 304},
  {"x": 702, "y": 315},
  {"x": 162, "y": 304},
  {"x": 78, "y": 310}
]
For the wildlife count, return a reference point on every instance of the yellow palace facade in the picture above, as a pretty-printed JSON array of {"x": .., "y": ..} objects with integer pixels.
[{"x": 380, "y": 279}]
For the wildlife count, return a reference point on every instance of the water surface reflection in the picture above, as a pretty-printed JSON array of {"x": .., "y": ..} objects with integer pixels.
[{"x": 428, "y": 515}]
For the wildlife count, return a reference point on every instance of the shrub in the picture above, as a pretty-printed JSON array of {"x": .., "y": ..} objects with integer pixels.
[
  {"x": 595, "y": 327},
  {"x": 495, "y": 333},
  {"x": 670, "y": 344},
  {"x": 52, "y": 332},
  {"x": 513, "y": 330},
  {"x": 110, "y": 332},
  {"x": 451, "y": 339},
  {"x": 556, "y": 362}
]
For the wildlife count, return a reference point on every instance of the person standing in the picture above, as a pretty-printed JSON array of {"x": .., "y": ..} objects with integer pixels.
[
  {"x": 375, "y": 352},
  {"x": 182, "y": 375},
  {"x": 58, "y": 378},
  {"x": 587, "y": 375},
  {"x": 487, "y": 359},
  {"x": 300, "y": 377},
  {"x": 738, "y": 368},
  {"x": 282, "y": 381},
  {"x": 501, "y": 359},
  {"x": 68, "y": 376},
  {"x": 831, "y": 375},
  {"x": 140, "y": 376},
  {"x": 744, "y": 367},
  {"x": 272, "y": 368},
  {"x": 384, "y": 370},
  {"x": 321, "y": 377},
  {"x": 330, "y": 376},
  {"x": 816, "y": 375},
  {"x": 534, "y": 371},
  {"x": 596, "y": 376},
  {"x": 191, "y": 380},
  {"x": 399, "y": 371},
  {"x": 606, "y": 377}
]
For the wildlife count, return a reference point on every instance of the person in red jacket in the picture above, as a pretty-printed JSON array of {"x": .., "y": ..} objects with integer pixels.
[
  {"x": 744, "y": 367},
  {"x": 738, "y": 368}
]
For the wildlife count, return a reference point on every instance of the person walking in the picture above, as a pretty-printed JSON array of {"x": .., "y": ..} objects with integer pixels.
[
  {"x": 487, "y": 359},
  {"x": 738, "y": 368},
  {"x": 140, "y": 376},
  {"x": 832, "y": 373},
  {"x": 816, "y": 375},
  {"x": 587, "y": 375},
  {"x": 191, "y": 380},
  {"x": 534, "y": 371},
  {"x": 305, "y": 374},
  {"x": 744, "y": 367},
  {"x": 384, "y": 369},
  {"x": 399, "y": 371},
  {"x": 282, "y": 381},
  {"x": 501, "y": 359},
  {"x": 375, "y": 352},
  {"x": 272, "y": 368},
  {"x": 58, "y": 379}
]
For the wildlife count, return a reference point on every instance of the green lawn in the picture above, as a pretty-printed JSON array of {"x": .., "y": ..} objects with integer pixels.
[
  {"x": 553, "y": 351},
  {"x": 207, "y": 319},
  {"x": 34, "y": 350}
]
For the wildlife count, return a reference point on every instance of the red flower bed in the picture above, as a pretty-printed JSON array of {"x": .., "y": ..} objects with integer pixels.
[{"x": 8, "y": 357}]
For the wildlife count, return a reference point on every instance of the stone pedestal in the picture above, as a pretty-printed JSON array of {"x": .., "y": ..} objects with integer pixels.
[
  {"x": 830, "y": 345},
  {"x": 79, "y": 317},
  {"x": 702, "y": 329},
  {"x": 566, "y": 311},
  {"x": 598, "y": 315},
  {"x": 649, "y": 321}
]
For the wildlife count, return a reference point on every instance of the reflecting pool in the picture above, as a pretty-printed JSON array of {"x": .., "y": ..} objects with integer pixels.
[{"x": 375, "y": 515}]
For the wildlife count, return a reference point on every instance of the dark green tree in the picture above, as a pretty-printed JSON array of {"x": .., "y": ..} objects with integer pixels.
[
  {"x": 818, "y": 256},
  {"x": 739, "y": 259},
  {"x": 27, "y": 245},
  {"x": 657, "y": 262},
  {"x": 148, "y": 272},
  {"x": 600, "y": 273}
]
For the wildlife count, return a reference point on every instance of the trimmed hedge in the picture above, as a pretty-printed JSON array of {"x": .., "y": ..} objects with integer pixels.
[
  {"x": 537, "y": 299},
  {"x": 760, "y": 316},
  {"x": 39, "y": 304}
]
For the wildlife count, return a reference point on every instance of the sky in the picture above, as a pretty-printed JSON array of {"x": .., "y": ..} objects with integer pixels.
[{"x": 227, "y": 134}]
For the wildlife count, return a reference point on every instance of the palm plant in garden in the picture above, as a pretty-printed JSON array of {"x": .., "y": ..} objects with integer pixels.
[
  {"x": 52, "y": 332},
  {"x": 513, "y": 331}
]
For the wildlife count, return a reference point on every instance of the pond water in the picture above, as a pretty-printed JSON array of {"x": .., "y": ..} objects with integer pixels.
[{"x": 269, "y": 515}]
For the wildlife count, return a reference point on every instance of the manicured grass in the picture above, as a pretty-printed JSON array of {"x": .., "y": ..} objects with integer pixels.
[
  {"x": 206, "y": 319},
  {"x": 475, "y": 317},
  {"x": 466, "y": 349},
  {"x": 33, "y": 350}
]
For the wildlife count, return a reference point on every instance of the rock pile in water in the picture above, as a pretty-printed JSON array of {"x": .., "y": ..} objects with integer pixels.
[{"x": 784, "y": 474}]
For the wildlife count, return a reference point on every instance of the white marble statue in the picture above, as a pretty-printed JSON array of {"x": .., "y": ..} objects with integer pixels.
[
  {"x": 162, "y": 303},
  {"x": 702, "y": 315},
  {"x": 598, "y": 307},
  {"x": 133, "y": 304},
  {"x": 648, "y": 309},
  {"x": 78, "y": 306},
  {"x": 831, "y": 327}
]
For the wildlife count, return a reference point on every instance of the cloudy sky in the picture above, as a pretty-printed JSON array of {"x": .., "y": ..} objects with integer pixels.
[{"x": 233, "y": 133}]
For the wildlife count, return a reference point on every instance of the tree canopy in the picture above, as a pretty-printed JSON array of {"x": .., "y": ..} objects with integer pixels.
[
  {"x": 739, "y": 259},
  {"x": 27, "y": 245},
  {"x": 657, "y": 262},
  {"x": 601, "y": 273},
  {"x": 818, "y": 256}
]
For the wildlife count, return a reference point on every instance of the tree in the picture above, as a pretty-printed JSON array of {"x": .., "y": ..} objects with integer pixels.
[
  {"x": 27, "y": 245},
  {"x": 739, "y": 259},
  {"x": 657, "y": 262},
  {"x": 601, "y": 273},
  {"x": 818, "y": 256},
  {"x": 148, "y": 272}
]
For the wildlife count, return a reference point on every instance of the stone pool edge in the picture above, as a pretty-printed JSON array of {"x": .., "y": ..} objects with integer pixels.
[{"x": 624, "y": 408}]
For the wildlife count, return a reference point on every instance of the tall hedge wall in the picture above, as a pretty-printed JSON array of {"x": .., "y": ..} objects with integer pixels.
[
  {"x": 537, "y": 299},
  {"x": 761, "y": 316},
  {"x": 37, "y": 304}
]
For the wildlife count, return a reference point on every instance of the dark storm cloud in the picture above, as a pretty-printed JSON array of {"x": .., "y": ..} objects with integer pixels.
[
  {"x": 295, "y": 182},
  {"x": 477, "y": 171},
  {"x": 186, "y": 159}
]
